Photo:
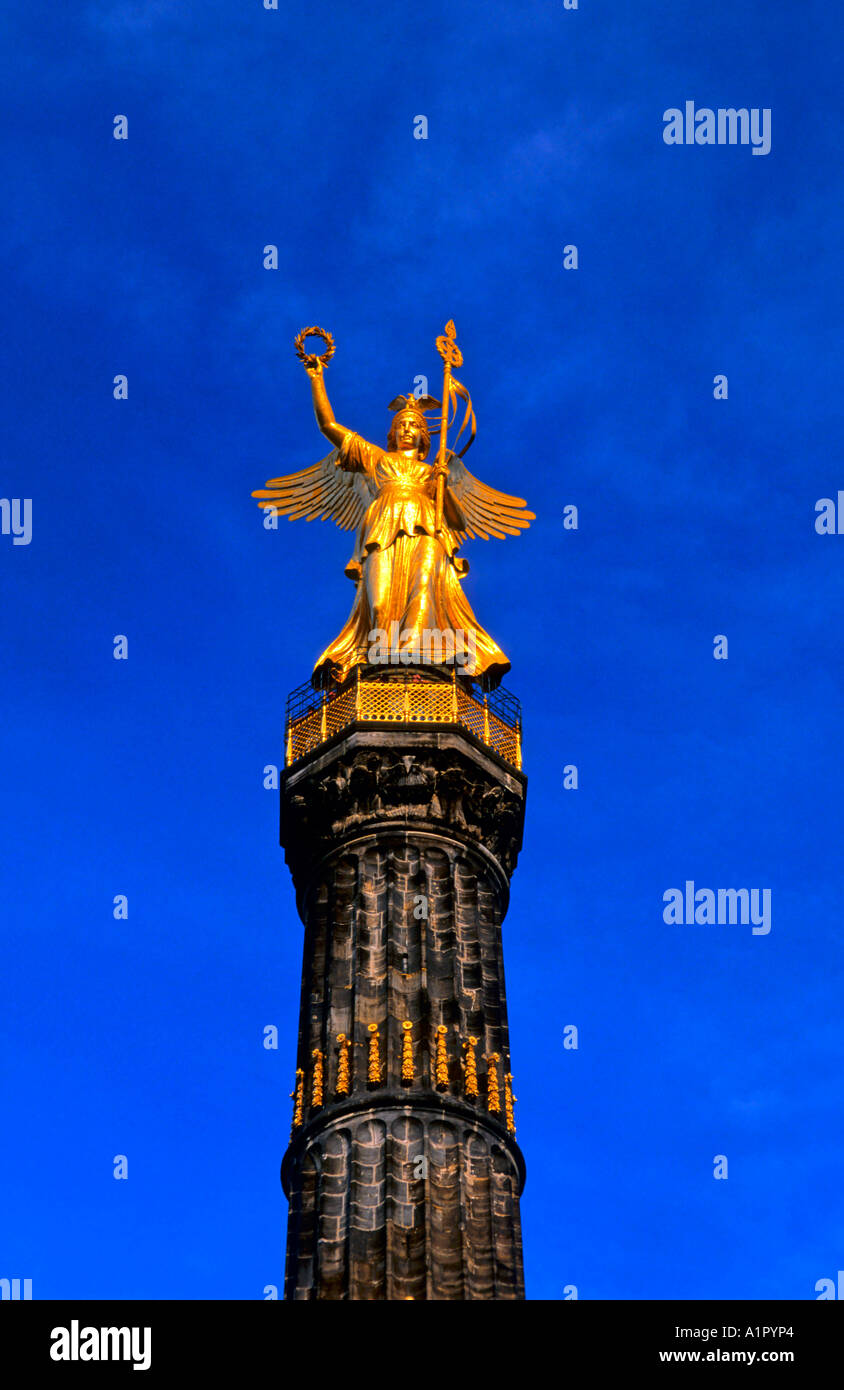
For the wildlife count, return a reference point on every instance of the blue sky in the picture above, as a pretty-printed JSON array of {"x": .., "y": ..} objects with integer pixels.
[{"x": 592, "y": 387}]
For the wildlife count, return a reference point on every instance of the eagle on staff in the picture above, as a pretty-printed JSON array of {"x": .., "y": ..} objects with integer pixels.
[{"x": 411, "y": 519}]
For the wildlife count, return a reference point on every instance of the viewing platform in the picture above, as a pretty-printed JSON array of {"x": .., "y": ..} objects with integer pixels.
[{"x": 396, "y": 696}]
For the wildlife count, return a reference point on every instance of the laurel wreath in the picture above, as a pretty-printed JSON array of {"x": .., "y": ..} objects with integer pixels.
[{"x": 307, "y": 357}]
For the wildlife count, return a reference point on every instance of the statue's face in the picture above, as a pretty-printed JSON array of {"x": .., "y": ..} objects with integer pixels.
[{"x": 408, "y": 434}]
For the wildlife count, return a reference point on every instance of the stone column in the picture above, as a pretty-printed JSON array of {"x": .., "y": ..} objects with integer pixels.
[{"x": 403, "y": 1174}]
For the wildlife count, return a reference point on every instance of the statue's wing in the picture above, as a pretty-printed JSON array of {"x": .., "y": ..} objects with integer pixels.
[
  {"x": 486, "y": 511},
  {"x": 323, "y": 491}
]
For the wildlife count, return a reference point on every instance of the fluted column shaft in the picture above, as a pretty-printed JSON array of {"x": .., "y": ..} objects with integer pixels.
[{"x": 403, "y": 1173}]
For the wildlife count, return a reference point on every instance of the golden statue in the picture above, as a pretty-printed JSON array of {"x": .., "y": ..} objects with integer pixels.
[{"x": 411, "y": 519}]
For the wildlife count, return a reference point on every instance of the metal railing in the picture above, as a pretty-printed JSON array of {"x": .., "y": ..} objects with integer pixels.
[{"x": 403, "y": 697}]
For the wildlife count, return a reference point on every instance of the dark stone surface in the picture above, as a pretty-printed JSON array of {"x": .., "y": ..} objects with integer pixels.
[
  {"x": 401, "y": 843},
  {"x": 447, "y": 781}
]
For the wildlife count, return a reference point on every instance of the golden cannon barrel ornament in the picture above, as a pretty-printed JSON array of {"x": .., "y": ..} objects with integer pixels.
[
  {"x": 343, "y": 1067},
  {"x": 407, "y": 1052},
  {"x": 373, "y": 1069}
]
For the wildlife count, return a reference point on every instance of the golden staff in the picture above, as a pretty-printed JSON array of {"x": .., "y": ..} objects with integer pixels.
[{"x": 452, "y": 357}]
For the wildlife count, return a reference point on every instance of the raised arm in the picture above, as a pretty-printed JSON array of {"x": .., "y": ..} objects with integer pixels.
[{"x": 322, "y": 406}]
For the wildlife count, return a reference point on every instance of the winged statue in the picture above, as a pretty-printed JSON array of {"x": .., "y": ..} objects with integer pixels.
[{"x": 410, "y": 520}]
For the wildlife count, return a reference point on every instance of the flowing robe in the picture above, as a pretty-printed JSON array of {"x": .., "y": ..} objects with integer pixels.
[{"x": 409, "y": 606}]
